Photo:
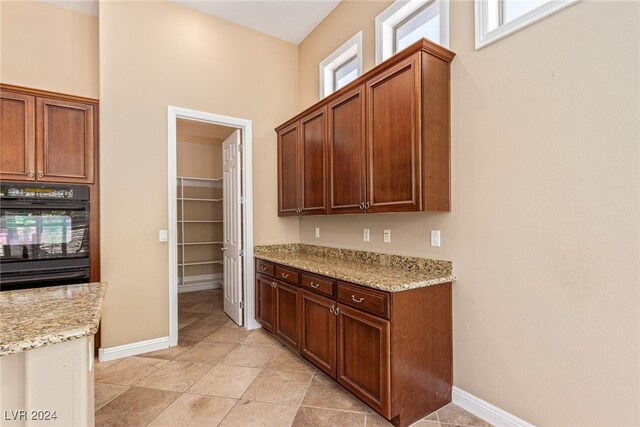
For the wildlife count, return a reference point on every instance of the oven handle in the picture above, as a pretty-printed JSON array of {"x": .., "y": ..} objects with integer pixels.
[
  {"x": 13, "y": 204},
  {"x": 75, "y": 275}
]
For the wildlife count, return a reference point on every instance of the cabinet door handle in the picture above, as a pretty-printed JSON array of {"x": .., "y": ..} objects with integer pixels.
[
  {"x": 263, "y": 268},
  {"x": 286, "y": 276},
  {"x": 274, "y": 284},
  {"x": 332, "y": 309},
  {"x": 315, "y": 285},
  {"x": 361, "y": 205},
  {"x": 366, "y": 205},
  {"x": 30, "y": 174},
  {"x": 336, "y": 311},
  {"x": 40, "y": 174},
  {"x": 353, "y": 297}
]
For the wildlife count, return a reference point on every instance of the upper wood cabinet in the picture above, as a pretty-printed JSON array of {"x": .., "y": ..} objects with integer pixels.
[
  {"x": 17, "y": 136},
  {"x": 46, "y": 138},
  {"x": 65, "y": 141},
  {"x": 302, "y": 166},
  {"x": 393, "y": 139},
  {"x": 388, "y": 137},
  {"x": 347, "y": 153}
]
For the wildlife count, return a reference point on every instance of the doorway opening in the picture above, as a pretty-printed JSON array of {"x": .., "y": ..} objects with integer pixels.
[{"x": 210, "y": 231}]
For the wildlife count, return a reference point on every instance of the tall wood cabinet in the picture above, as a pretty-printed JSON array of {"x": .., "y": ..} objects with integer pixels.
[
  {"x": 52, "y": 137},
  {"x": 47, "y": 138},
  {"x": 387, "y": 139}
]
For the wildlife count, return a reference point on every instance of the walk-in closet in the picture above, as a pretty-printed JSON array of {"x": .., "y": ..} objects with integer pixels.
[{"x": 200, "y": 204}]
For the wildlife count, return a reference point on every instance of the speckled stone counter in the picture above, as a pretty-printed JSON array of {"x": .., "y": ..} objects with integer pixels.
[
  {"x": 391, "y": 273},
  {"x": 33, "y": 318}
]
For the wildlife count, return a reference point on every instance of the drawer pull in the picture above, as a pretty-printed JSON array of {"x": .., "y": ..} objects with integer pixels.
[
  {"x": 286, "y": 276},
  {"x": 263, "y": 268},
  {"x": 336, "y": 311},
  {"x": 332, "y": 309},
  {"x": 274, "y": 284},
  {"x": 315, "y": 285},
  {"x": 353, "y": 297}
]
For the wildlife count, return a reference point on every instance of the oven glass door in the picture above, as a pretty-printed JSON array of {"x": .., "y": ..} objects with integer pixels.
[{"x": 38, "y": 233}]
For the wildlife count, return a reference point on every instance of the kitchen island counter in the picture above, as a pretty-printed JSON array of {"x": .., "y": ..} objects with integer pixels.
[{"x": 33, "y": 318}]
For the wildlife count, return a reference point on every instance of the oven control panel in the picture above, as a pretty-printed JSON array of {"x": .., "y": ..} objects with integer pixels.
[{"x": 30, "y": 191}]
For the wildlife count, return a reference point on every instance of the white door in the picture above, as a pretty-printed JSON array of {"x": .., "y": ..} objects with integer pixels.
[{"x": 232, "y": 227}]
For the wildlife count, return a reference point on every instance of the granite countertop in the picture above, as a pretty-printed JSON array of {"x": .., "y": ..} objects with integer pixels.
[
  {"x": 391, "y": 273},
  {"x": 32, "y": 318}
]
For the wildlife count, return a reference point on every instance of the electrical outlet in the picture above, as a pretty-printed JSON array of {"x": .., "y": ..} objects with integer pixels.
[
  {"x": 317, "y": 232},
  {"x": 365, "y": 235},
  {"x": 435, "y": 237},
  {"x": 387, "y": 236},
  {"x": 162, "y": 236}
]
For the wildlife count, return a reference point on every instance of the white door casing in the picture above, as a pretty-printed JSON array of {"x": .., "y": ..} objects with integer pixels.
[
  {"x": 247, "y": 285},
  {"x": 232, "y": 227}
]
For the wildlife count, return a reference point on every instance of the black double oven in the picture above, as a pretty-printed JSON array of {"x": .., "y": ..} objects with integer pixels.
[{"x": 44, "y": 235}]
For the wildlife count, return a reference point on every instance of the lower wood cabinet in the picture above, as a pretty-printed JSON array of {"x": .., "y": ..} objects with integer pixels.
[
  {"x": 265, "y": 302},
  {"x": 318, "y": 331},
  {"x": 286, "y": 311},
  {"x": 363, "y": 357},
  {"x": 391, "y": 350}
]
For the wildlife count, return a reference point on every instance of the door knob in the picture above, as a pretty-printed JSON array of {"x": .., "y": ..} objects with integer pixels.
[
  {"x": 30, "y": 174},
  {"x": 40, "y": 174}
]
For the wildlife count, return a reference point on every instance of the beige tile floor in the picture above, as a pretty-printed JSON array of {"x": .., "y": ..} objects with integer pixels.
[{"x": 220, "y": 374}]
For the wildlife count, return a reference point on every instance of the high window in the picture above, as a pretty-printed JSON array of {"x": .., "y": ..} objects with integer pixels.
[
  {"x": 496, "y": 19},
  {"x": 342, "y": 66},
  {"x": 404, "y": 22}
]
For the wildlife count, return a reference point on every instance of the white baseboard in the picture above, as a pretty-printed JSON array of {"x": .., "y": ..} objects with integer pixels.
[
  {"x": 113, "y": 353},
  {"x": 200, "y": 282},
  {"x": 485, "y": 410}
]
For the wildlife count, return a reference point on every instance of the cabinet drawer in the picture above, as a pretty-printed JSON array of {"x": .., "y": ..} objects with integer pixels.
[
  {"x": 287, "y": 275},
  {"x": 366, "y": 299},
  {"x": 321, "y": 285},
  {"x": 264, "y": 267}
]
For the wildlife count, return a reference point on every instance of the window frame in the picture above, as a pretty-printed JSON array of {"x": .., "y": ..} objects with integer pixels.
[
  {"x": 342, "y": 55},
  {"x": 484, "y": 37},
  {"x": 397, "y": 13}
]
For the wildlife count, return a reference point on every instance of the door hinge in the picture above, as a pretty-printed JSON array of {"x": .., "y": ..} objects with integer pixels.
[
  {"x": 241, "y": 305},
  {"x": 240, "y": 252}
]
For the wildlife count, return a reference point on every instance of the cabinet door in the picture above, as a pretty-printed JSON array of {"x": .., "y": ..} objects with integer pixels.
[
  {"x": 17, "y": 136},
  {"x": 313, "y": 138},
  {"x": 364, "y": 357},
  {"x": 287, "y": 326},
  {"x": 288, "y": 171},
  {"x": 65, "y": 141},
  {"x": 347, "y": 153},
  {"x": 318, "y": 331},
  {"x": 265, "y": 302},
  {"x": 393, "y": 139}
]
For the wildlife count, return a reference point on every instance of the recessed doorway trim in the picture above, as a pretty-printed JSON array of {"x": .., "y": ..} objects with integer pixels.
[{"x": 173, "y": 114}]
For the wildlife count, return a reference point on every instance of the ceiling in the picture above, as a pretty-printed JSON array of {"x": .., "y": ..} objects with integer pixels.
[
  {"x": 289, "y": 20},
  {"x": 207, "y": 130}
]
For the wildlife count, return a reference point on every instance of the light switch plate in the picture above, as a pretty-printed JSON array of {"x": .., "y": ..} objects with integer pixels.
[
  {"x": 317, "y": 232},
  {"x": 162, "y": 236},
  {"x": 387, "y": 236},
  {"x": 365, "y": 235},
  {"x": 435, "y": 237}
]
